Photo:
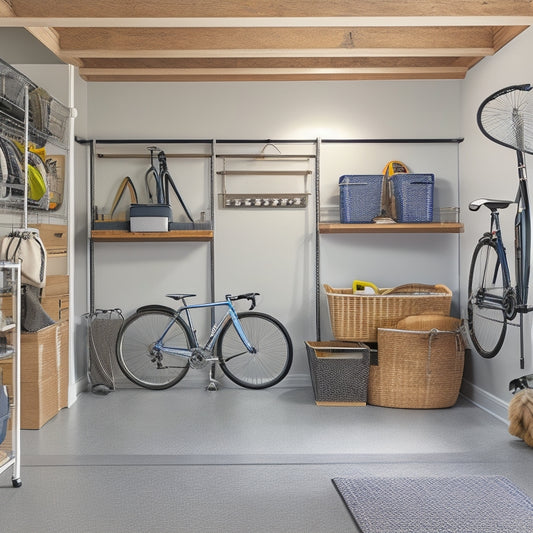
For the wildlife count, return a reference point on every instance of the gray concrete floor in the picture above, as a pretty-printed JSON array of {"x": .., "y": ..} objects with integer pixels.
[{"x": 188, "y": 460}]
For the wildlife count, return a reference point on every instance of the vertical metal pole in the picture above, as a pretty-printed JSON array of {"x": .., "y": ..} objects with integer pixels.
[
  {"x": 26, "y": 140},
  {"x": 212, "y": 218},
  {"x": 317, "y": 238},
  {"x": 90, "y": 207},
  {"x": 16, "y": 433}
]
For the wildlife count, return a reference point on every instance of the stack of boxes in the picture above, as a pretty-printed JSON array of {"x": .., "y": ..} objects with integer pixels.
[{"x": 44, "y": 353}]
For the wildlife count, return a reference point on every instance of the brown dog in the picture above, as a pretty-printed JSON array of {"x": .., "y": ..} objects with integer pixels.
[{"x": 521, "y": 416}]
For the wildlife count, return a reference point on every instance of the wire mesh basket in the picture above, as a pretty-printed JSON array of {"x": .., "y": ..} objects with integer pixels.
[
  {"x": 49, "y": 118},
  {"x": 413, "y": 197},
  {"x": 360, "y": 198},
  {"x": 12, "y": 84}
]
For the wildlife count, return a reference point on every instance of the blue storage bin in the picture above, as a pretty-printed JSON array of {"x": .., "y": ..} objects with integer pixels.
[
  {"x": 413, "y": 195},
  {"x": 360, "y": 198},
  {"x": 4, "y": 412}
]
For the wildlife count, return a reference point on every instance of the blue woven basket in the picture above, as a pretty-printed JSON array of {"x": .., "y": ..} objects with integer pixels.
[
  {"x": 360, "y": 198},
  {"x": 413, "y": 194}
]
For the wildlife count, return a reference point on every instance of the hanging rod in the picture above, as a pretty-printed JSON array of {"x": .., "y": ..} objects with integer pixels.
[
  {"x": 147, "y": 155},
  {"x": 398, "y": 141},
  {"x": 264, "y": 172},
  {"x": 259, "y": 141},
  {"x": 143, "y": 141},
  {"x": 282, "y": 157}
]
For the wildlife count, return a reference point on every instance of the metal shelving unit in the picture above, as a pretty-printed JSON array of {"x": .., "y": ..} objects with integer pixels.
[{"x": 10, "y": 365}]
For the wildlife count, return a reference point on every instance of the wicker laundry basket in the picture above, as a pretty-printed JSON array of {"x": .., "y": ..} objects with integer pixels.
[
  {"x": 357, "y": 317},
  {"x": 418, "y": 369}
]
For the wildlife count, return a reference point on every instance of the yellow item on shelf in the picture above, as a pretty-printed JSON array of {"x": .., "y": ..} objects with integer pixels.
[
  {"x": 364, "y": 286},
  {"x": 395, "y": 167}
]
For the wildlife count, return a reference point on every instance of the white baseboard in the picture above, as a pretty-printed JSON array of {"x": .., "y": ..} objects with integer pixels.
[{"x": 486, "y": 401}]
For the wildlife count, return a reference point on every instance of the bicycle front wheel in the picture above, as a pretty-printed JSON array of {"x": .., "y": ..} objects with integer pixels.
[
  {"x": 273, "y": 357},
  {"x": 487, "y": 323},
  {"x": 136, "y": 356}
]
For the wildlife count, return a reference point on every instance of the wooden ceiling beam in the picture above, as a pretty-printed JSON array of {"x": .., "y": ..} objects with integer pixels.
[
  {"x": 283, "y": 52},
  {"x": 74, "y": 39},
  {"x": 193, "y": 74},
  {"x": 260, "y": 22},
  {"x": 272, "y": 8}
]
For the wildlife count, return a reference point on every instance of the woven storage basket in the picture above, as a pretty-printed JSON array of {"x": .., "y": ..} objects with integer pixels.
[
  {"x": 417, "y": 369},
  {"x": 356, "y": 317}
]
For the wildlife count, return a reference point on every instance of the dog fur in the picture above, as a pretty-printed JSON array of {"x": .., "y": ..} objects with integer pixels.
[{"x": 521, "y": 416}]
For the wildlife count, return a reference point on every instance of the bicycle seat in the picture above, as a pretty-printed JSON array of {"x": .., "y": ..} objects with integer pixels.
[
  {"x": 180, "y": 296},
  {"x": 491, "y": 204}
]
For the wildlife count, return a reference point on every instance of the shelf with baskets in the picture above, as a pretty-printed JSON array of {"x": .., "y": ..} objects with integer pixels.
[
  {"x": 34, "y": 135},
  {"x": 422, "y": 227}
]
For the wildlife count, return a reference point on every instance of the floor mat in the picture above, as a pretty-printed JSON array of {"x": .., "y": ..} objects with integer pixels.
[{"x": 469, "y": 504}]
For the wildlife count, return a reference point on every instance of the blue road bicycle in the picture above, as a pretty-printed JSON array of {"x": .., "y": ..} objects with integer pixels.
[
  {"x": 505, "y": 117},
  {"x": 156, "y": 346}
]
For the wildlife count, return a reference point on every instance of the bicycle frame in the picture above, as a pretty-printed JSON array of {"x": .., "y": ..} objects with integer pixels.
[
  {"x": 231, "y": 314},
  {"x": 503, "y": 264},
  {"x": 522, "y": 236}
]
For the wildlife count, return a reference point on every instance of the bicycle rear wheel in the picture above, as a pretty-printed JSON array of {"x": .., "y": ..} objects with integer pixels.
[
  {"x": 272, "y": 360},
  {"x": 136, "y": 356},
  {"x": 487, "y": 323}
]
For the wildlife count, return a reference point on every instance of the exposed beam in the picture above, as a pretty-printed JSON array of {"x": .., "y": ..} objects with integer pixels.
[
  {"x": 347, "y": 37},
  {"x": 6, "y": 9},
  {"x": 194, "y": 74},
  {"x": 272, "y": 53},
  {"x": 272, "y": 8},
  {"x": 260, "y": 22}
]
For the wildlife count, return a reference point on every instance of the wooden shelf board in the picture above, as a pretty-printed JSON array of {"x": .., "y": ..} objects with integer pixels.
[
  {"x": 429, "y": 227},
  {"x": 174, "y": 235}
]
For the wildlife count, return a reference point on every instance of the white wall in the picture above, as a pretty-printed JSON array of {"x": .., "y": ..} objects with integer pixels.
[
  {"x": 273, "y": 251},
  {"x": 489, "y": 170}
]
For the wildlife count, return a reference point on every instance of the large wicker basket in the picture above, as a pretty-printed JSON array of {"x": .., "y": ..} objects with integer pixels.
[
  {"x": 417, "y": 369},
  {"x": 357, "y": 317}
]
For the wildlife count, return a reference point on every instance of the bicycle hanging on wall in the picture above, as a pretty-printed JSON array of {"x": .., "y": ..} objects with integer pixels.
[{"x": 506, "y": 118}]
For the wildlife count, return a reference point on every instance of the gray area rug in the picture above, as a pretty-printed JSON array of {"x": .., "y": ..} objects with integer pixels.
[{"x": 469, "y": 504}]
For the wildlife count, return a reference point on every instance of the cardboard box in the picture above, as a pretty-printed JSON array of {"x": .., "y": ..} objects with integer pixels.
[
  {"x": 44, "y": 374},
  {"x": 54, "y": 237},
  {"x": 56, "y": 307},
  {"x": 55, "y": 285}
]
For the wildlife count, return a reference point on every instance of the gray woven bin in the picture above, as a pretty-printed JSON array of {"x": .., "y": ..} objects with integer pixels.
[{"x": 339, "y": 372}]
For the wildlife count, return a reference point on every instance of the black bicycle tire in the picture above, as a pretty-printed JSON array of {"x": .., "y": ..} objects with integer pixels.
[
  {"x": 120, "y": 357},
  {"x": 482, "y": 122},
  {"x": 288, "y": 360},
  {"x": 475, "y": 336}
]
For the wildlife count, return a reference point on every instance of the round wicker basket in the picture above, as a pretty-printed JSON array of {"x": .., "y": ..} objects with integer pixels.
[{"x": 418, "y": 368}]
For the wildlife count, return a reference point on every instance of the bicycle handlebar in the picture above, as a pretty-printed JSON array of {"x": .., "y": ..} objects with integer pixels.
[{"x": 248, "y": 296}]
